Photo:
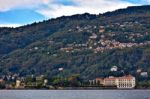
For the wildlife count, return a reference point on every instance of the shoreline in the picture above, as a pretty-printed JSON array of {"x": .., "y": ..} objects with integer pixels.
[{"x": 81, "y": 89}]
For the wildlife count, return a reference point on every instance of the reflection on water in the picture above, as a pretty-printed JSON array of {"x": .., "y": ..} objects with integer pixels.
[{"x": 75, "y": 94}]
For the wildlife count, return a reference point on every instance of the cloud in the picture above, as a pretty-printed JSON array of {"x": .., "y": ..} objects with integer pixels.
[
  {"x": 10, "y": 4},
  {"x": 10, "y": 25},
  {"x": 82, "y": 6},
  {"x": 148, "y": 0},
  {"x": 57, "y": 8}
]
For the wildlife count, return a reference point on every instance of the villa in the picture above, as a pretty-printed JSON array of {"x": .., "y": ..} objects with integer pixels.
[{"x": 120, "y": 82}]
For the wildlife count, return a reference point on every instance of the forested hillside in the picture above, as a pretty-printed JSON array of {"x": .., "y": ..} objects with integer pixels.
[{"x": 89, "y": 45}]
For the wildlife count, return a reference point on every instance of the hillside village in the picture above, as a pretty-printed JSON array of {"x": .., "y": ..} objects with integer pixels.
[{"x": 103, "y": 40}]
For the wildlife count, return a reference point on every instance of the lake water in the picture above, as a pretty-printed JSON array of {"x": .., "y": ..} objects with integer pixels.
[{"x": 75, "y": 94}]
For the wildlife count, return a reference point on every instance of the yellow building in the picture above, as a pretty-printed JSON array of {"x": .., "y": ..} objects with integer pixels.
[
  {"x": 18, "y": 83},
  {"x": 99, "y": 81},
  {"x": 110, "y": 81}
]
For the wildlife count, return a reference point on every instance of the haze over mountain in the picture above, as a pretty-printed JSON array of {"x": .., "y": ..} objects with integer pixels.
[{"x": 85, "y": 44}]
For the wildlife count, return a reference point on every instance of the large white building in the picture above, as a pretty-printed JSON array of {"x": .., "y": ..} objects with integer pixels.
[
  {"x": 126, "y": 82},
  {"x": 119, "y": 82}
]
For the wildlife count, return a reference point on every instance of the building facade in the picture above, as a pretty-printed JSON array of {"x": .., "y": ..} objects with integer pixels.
[
  {"x": 18, "y": 83},
  {"x": 99, "y": 81},
  {"x": 126, "y": 82},
  {"x": 110, "y": 81},
  {"x": 120, "y": 82}
]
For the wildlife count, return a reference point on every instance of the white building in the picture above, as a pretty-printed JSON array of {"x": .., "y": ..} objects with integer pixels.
[
  {"x": 144, "y": 74},
  {"x": 126, "y": 82},
  {"x": 120, "y": 82},
  {"x": 45, "y": 82},
  {"x": 139, "y": 70},
  {"x": 60, "y": 69},
  {"x": 114, "y": 69}
]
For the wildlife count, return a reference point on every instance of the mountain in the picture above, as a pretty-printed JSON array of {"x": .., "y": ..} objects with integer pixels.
[{"x": 89, "y": 45}]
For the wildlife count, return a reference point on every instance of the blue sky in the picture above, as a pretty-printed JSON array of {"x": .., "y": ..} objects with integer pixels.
[{"x": 20, "y": 12}]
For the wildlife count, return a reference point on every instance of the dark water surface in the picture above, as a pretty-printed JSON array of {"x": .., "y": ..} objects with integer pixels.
[{"x": 75, "y": 94}]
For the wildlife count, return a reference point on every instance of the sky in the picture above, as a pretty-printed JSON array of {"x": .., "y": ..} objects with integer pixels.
[{"x": 14, "y": 13}]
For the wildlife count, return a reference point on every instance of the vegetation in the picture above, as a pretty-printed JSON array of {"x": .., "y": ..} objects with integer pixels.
[{"x": 35, "y": 49}]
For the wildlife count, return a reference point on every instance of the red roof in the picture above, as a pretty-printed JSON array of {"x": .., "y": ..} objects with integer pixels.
[{"x": 127, "y": 77}]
